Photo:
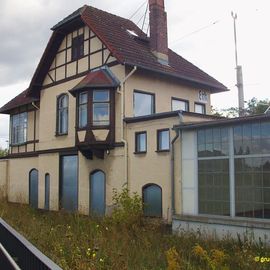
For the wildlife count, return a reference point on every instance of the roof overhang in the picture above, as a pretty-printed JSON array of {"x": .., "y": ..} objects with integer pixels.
[
  {"x": 224, "y": 122},
  {"x": 97, "y": 79}
]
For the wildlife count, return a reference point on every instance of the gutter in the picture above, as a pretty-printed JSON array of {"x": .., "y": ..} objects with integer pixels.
[
  {"x": 173, "y": 166},
  {"x": 121, "y": 91}
]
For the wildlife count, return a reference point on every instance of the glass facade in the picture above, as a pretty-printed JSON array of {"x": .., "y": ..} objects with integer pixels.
[
  {"x": 238, "y": 157},
  {"x": 213, "y": 142},
  {"x": 214, "y": 191}
]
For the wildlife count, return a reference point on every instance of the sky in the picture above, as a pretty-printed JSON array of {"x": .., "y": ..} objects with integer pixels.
[{"x": 200, "y": 31}]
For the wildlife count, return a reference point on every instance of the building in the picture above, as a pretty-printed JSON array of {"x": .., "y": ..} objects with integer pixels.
[
  {"x": 226, "y": 177},
  {"x": 109, "y": 106}
]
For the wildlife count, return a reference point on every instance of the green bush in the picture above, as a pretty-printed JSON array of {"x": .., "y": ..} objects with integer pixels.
[{"x": 127, "y": 207}]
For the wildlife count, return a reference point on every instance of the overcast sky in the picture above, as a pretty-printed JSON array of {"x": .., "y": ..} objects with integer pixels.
[{"x": 200, "y": 31}]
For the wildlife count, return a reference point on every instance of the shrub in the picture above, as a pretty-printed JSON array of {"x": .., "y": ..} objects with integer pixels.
[{"x": 128, "y": 208}]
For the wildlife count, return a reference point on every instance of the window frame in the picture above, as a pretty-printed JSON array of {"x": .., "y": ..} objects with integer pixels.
[
  {"x": 159, "y": 131},
  {"x": 78, "y": 111},
  {"x": 137, "y": 151},
  {"x": 24, "y": 128},
  {"x": 153, "y": 109},
  {"x": 76, "y": 51},
  {"x": 92, "y": 102},
  {"x": 180, "y": 99},
  {"x": 201, "y": 104},
  {"x": 58, "y": 131}
]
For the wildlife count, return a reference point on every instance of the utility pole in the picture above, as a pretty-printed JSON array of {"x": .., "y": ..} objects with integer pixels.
[{"x": 239, "y": 74}]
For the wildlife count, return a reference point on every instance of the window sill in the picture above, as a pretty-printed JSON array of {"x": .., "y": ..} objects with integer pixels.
[
  {"x": 140, "y": 153},
  {"x": 18, "y": 144},
  {"x": 163, "y": 151},
  {"x": 61, "y": 134}
]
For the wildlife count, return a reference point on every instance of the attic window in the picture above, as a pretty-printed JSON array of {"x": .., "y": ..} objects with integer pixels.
[
  {"x": 77, "y": 47},
  {"x": 132, "y": 33}
]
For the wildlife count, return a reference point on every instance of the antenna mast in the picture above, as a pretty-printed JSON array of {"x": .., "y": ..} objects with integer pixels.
[{"x": 239, "y": 74}]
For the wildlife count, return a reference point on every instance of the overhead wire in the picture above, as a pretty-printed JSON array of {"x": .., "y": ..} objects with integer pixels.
[
  {"x": 144, "y": 2},
  {"x": 194, "y": 32}
]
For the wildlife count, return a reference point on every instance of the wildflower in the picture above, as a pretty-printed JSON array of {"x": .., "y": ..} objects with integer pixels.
[
  {"x": 68, "y": 227},
  {"x": 199, "y": 252},
  {"x": 101, "y": 260},
  {"x": 107, "y": 228},
  {"x": 94, "y": 255},
  {"x": 97, "y": 226}
]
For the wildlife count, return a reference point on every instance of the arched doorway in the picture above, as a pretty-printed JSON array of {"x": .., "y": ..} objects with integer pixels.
[
  {"x": 33, "y": 188},
  {"x": 47, "y": 192},
  {"x": 152, "y": 200},
  {"x": 97, "y": 193}
]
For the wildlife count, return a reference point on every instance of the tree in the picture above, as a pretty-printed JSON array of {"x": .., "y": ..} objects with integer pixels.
[
  {"x": 254, "y": 106},
  {"x": 3, "y": 152}
]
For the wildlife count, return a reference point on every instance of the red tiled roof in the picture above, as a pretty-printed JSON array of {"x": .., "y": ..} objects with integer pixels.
[
  {"x": 19, "y": 100},
  {"x": 101, "y": 78},
  {"x": 136, "y": 51}
]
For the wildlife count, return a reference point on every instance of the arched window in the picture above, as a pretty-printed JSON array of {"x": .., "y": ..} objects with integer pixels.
[
  {"x": 97, "y": 193},
  {"x": 152, "y": 200},
  {"x": 33, "y": 188},
  {"x": 47, "y": 192},
  {"x": 62, "y": 114}
]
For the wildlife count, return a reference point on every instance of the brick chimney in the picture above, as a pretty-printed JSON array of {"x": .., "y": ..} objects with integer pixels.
[{"x": 158, "y": 30}]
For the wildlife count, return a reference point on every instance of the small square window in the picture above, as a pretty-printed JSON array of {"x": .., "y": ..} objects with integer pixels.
[
  {"x": 163, "y": 137},
  {"x": 200, "y": 108},
  {"x": 77, "y": 47},
  {"x": 140, "y": 142},
  {"x": 178, "y": 104}
]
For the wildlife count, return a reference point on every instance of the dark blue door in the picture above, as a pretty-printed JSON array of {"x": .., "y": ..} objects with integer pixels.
[
  {"x": 47, "y": 191},
  {"x": 33, "y": 188},
  {"x": 152, "y": 200},
  {"x": 97, "y": 193},
  {"x": 69, "y": 183}
]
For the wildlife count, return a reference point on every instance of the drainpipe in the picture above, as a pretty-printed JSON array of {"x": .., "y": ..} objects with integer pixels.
[
  {"x": 172, "y": 164},
  {"x": 34, "y": 105},
  {"x": 121, "y": 91}
]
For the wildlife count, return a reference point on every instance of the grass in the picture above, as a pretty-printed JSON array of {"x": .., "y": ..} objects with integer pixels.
[{"x": 79, "y": 242}]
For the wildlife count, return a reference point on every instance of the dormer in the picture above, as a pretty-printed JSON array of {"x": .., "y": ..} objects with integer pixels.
[{"x": 95, "y": 112}]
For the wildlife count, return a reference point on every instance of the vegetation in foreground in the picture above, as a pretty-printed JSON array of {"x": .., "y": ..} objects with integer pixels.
[{"x": 127, "y": 241}]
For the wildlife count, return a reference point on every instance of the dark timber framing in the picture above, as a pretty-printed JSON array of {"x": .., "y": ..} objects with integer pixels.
[{"x": 52, "y": 72}]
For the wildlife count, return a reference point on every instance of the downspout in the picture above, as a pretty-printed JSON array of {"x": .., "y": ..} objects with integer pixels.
[
  {"x": 34, "y": 105},
  {"x": 172, "y": 165},
  {"x": 121, "y": 91}
]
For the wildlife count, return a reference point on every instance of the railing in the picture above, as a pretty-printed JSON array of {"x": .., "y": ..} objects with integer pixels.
[{"x": 18, "y": 253}]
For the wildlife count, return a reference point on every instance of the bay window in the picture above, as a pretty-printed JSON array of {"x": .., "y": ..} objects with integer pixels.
[
  {"x": 83, "y": 109},
  {"x": 101, "y": 108}
]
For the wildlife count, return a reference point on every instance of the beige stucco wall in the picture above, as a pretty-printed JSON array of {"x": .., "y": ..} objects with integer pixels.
[
  {"x": 18, "y": 180},
  {"x": 164, "y": 90},
  {"x": 152, "y": 167},
  {"x": 49, "y": 163},
  {"x": 3, "y": 177},
  {"x": 112, "y": 166}
]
